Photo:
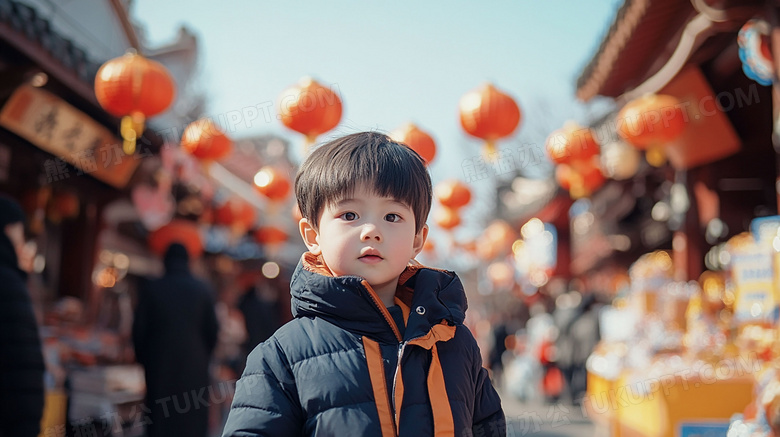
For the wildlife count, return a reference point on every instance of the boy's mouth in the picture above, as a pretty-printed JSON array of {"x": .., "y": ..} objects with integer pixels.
[{"x": 370, "y": 255}]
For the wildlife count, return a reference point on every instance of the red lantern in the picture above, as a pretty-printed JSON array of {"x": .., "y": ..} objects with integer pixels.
[
  {"x": 489, "y": 114},
  {"x": 496, "y": 240},
  {"x": 592, "y": 179},
  {"x": 270, "y": 235},
  {"x": 453, "y": 193},
  {"x": 571, "y": 143},
  {"x": 418, "y": 140},
  {"x": 581, "y": 182},
  {"x": 272, "y": 183},
  {"x": 205, "y": 141},
  {"x": 310, "y": 108},
  {"x": 650, "y": 123},
  {"x": 447, "y": 218},
  {"x": 177, "y": 231},
  {"x": 235, "y": 212},
  {"x": 134, "y": 88},
  {"x": 563, "y": 175}
]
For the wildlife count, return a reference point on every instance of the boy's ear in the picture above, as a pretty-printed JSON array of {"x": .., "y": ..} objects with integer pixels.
[
  {"x": 419, "y": 240},
  {"x": 310, "y": 236}
]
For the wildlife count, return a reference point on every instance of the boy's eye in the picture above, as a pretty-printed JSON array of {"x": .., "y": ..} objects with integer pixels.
[
  {"x": 349, "y": 216},
  {"x": 393, "y": 218}
]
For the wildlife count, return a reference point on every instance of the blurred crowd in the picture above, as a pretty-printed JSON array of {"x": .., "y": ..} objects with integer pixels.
[
  {"x": 538, "y": 352},
  {"x": 117, "y": 363}
]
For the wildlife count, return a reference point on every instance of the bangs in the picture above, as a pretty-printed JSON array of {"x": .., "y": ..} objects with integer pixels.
[
  {"x": 383, "y": 174},
  {"x": 334, "y": 171}
]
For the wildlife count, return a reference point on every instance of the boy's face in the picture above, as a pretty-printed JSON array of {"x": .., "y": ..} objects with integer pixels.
[{"x": 366, "y": 235}]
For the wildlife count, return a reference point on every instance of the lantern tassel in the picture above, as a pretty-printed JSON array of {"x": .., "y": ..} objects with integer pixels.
[
  {"x": 490, "y": 150},
  {"x": 655, "y": 155},
  {"x": 131, "y": 127},
  {"x": 577, "y": 189},
  {"x": 308, "y": 142},
  {"x": 205, "y": 166}
]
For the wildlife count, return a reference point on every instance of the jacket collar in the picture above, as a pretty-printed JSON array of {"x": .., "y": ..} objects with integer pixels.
[{"x": 432, "y": 296}]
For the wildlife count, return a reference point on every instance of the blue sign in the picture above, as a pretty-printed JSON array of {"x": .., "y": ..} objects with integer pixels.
[
  {"x": 704, "y": 429},
  {"x": 765, "y": 228}
]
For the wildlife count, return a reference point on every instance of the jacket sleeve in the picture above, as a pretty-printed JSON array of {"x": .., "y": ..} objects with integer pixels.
[
  {"x": 489, "y": 417},
  {"x": 266, "y": 401}
]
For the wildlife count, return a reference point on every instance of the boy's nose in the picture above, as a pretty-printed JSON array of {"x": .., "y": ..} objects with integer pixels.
[{"x": 370, "y": 232}]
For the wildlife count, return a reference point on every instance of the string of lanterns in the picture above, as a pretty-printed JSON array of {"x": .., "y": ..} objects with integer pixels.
[
  {"x": 452, "y": 195},
  {"x": 136, "y": 89},
  {"x": 648, "y": 124},
  {"x": 576, "y": 152}
]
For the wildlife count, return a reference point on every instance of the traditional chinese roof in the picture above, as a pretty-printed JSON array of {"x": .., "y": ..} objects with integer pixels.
[
  {"x": 22, "y": 28},
  {"x": 28, "y": 31},
  {"x": 635, "y": 47},
  {"x": 645, "y": 34}
]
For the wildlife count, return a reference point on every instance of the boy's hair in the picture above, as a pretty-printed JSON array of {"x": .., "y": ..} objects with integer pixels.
[{"x": 389, "y": 169}]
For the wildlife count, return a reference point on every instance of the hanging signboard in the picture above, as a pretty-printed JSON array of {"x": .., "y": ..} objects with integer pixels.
[
  {"x": 708, "y": 135},
  {"x": 55, "y": 126}
]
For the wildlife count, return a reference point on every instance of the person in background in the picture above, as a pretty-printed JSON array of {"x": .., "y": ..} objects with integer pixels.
[
  {"x": 174, "y": 334},
  {"x": 21, "y": 355},
  {"x": 585, "y": 334},
  {"x": 499, "y": 333},
  {"x": 261, "y": 310},
  {"x": 566, "y": 312}
]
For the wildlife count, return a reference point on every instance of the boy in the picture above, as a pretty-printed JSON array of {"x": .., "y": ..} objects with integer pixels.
[{"x": 377, "y": 346}]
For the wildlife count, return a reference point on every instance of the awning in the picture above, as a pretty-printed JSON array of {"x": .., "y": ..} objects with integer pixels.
[
  {"x": 634, "y": 48},
  {"x": 650, "y": 41}
]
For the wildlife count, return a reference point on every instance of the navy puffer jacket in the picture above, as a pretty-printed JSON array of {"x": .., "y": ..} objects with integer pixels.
[{"x": 334, "y": 370}]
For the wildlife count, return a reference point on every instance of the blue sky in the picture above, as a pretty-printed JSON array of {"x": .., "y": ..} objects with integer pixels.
[{"x": 393, "y": 62}]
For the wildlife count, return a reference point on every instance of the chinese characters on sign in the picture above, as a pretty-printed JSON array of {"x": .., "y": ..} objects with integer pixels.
[{"x": 70, "y": 135}]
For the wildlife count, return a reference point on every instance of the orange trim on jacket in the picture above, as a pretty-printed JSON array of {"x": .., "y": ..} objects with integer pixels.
[
  {"x": 405, "y": 310},
  {"x": 440, "y": 332},
  {"x": 443, "y": 423},
  {"x": 383, "y": 309},
  {"x": 376, "y": 371}
]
